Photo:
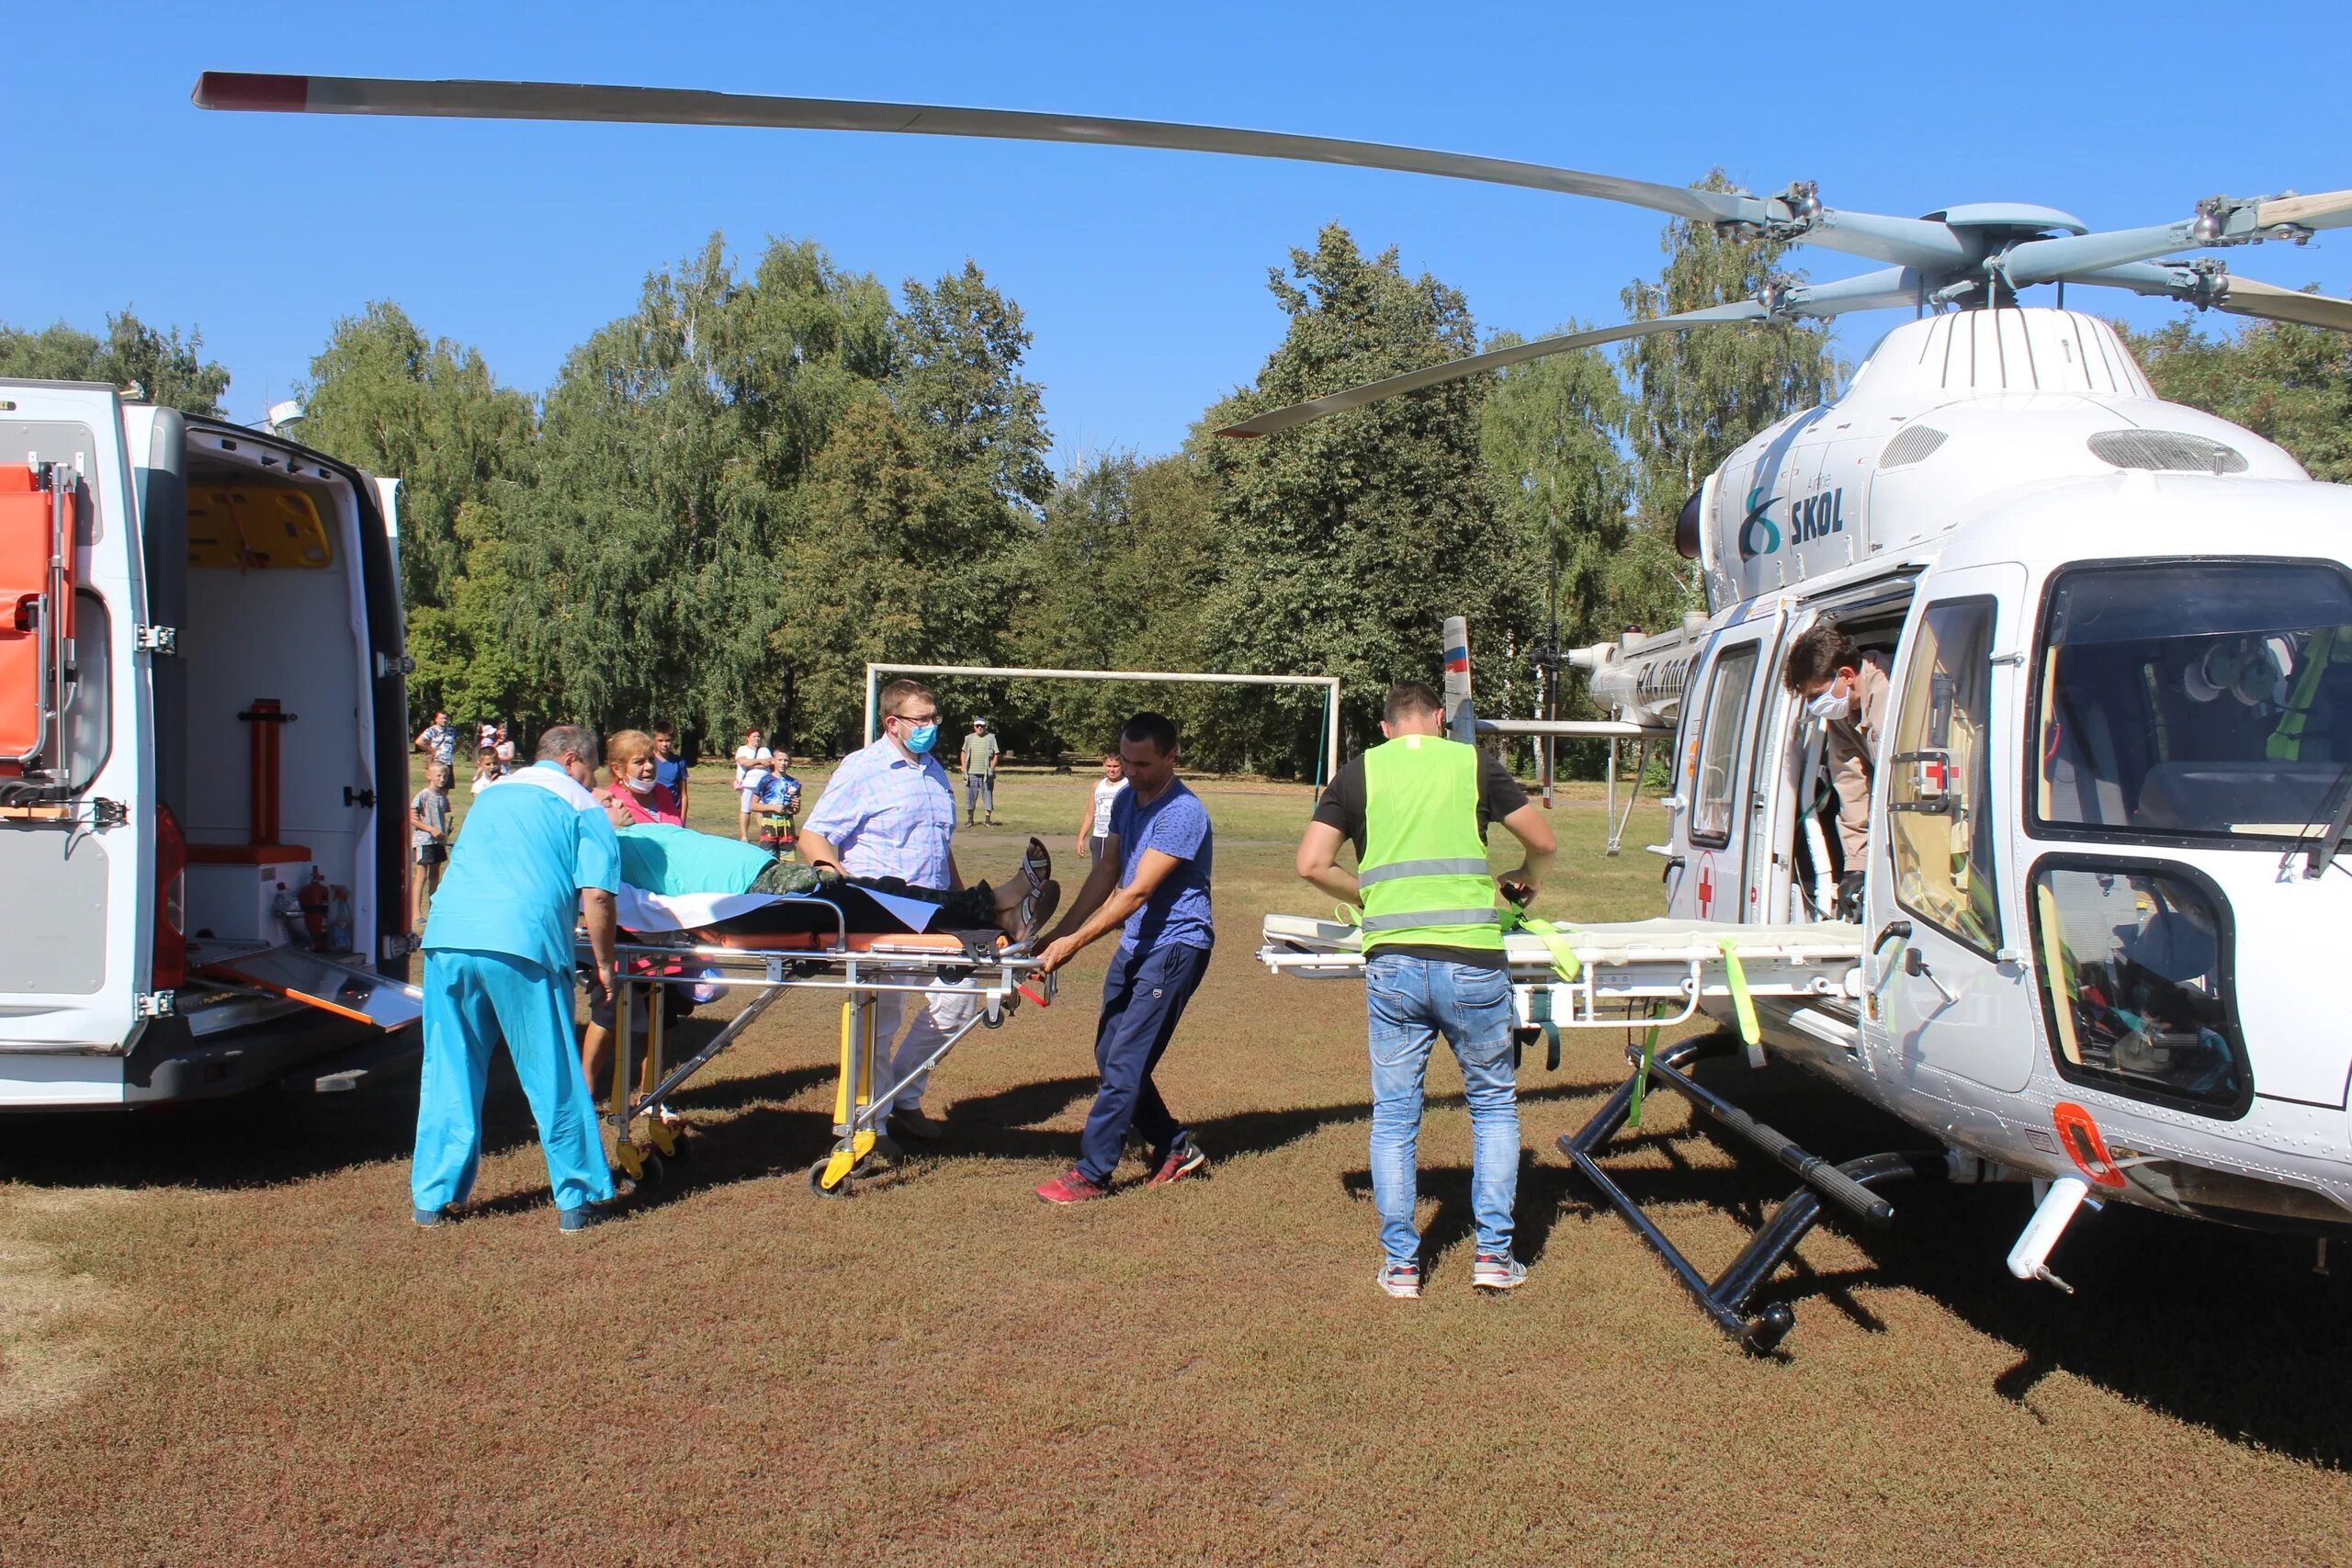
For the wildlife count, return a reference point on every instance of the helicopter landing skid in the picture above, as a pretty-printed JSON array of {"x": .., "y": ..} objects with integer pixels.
[{"x": 1848, "y": 1185}]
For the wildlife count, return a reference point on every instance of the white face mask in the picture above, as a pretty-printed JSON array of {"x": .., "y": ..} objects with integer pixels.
[
  {"x": 1831, "y": 704},
  {"x": 638, "y": 786}
]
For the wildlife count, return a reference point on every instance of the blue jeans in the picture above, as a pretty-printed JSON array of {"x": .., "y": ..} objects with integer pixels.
[
  {"x": 1411, "y": 1001},
  {"x": 1143, "y": 997}
]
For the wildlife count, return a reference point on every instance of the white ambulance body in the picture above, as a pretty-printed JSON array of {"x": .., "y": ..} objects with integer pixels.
[{"x": 201, "y": 698}]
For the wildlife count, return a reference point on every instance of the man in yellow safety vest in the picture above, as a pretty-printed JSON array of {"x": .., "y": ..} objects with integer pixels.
[{"x": 1417, "y": 810}]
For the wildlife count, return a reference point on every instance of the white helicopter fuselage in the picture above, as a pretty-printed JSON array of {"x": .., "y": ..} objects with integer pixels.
[{"x": 2103, "y": 763}]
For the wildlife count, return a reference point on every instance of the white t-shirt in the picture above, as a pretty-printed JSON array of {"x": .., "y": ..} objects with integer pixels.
[{"x": 1106, "y": 796}]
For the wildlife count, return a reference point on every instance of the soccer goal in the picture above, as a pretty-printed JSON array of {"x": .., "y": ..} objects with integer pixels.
[{"x": 878, "y": 674}]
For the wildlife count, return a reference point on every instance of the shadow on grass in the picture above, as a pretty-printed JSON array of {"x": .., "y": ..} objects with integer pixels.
[
  {"x": 2229, "y": 1329},
  {"x": 1542, "y": 1194}
]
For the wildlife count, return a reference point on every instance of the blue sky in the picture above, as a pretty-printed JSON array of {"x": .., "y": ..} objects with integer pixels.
[{"x": 1142, "y": 273}]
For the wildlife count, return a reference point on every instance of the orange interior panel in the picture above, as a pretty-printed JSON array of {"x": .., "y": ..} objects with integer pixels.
[{"x": 256, "y": 527}]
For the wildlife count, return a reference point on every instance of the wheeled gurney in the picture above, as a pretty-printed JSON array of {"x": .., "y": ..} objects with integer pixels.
[
  {"x": 1608, "y": 976},
  {"x": 772, "y": 945}
]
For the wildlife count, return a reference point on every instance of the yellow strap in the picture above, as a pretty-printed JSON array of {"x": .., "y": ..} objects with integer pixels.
[
  {"x": 1555, "y": 941},
  {"x": 1743, "y": 1005}
]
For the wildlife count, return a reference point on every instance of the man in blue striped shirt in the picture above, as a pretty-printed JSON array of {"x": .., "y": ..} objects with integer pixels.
[{"x": 889, "y": 810}]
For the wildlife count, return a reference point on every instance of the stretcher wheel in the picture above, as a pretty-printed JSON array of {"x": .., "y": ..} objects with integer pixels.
[
  {"x": 816, "y": 1183},
  {"x": 668, "y": 1141},
  {"x": 632, "y": 1159}
]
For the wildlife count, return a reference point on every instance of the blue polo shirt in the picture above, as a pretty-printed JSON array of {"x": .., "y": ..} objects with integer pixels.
[
  {"x": 1175, "y": 824},
  {"x": 531, "y": 842}
]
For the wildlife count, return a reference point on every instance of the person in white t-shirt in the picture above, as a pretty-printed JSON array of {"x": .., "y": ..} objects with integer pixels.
[
  {"x": 753, "y": 765},
  {"x": 1095, "y": 826}
]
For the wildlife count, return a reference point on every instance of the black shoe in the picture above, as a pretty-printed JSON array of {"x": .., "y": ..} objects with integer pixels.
[{"x": 916, "y": 1125}]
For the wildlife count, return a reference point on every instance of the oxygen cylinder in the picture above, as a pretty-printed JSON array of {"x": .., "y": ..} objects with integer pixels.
[{"x": 314, "y": 898}]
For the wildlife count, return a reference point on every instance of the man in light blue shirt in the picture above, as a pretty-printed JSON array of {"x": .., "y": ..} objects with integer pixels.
[
  {"x": 889, "y": 810},
  {"x": 498, "y": 963}
]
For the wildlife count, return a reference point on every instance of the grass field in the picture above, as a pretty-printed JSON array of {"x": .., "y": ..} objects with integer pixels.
[{"x": 222, "y": 1341}]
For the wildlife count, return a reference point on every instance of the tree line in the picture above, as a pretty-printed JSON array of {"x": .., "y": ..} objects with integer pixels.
[{"x": 760, "y": 478}]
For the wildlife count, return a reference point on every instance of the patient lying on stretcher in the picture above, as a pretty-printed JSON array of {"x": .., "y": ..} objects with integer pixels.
[{"x": 673, "y": 861}]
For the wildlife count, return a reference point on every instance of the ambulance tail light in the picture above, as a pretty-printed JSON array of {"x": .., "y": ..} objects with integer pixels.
[{"x": 167, "y": 970}]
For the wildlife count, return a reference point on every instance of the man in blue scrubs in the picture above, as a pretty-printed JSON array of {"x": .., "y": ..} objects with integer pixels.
[{"x": 498, "y": 961}]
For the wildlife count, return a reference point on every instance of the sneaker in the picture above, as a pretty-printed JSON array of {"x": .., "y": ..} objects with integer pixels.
[
  {"x": 587, "y": 1216},
  {"x": 1402, "y": 1281},
  {"x": 1186, "y": 1158},
  {"x": 427, "y": 1218},
  {"x": 907, "y": 1121},
  {"x": 1075, "y": 1188},
  {"x": 1497, "y": 1271}
]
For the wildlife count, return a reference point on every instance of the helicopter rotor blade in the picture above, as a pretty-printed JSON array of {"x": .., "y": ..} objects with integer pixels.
[
  {"x": 1872, "y": 290},
  {"x": 2321, "y": 209},
  {"x": 2210, "y": 287},
  {"x": 1908, "y": 240},
  {"x": 1267, "y": 423},
  {"x": 2220, "y": 221}
]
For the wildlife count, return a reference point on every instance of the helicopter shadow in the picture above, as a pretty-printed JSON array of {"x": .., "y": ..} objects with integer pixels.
[{"x": 2229, "y": 1329}]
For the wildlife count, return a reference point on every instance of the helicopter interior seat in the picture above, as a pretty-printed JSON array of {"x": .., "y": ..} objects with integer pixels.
[
  {"x": 2190, "y": 795},
  {"x": 2086, "y": 769}
]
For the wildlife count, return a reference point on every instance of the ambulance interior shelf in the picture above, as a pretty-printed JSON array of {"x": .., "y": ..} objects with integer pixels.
[
  {"x": 1618, "y": 972},
  {"x": 310, "y": 978}
]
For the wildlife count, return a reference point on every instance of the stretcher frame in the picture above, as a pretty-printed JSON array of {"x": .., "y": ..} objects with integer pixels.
[
  {"x": 1622, "y": 974},
  {"x": 998, "y": 982}
]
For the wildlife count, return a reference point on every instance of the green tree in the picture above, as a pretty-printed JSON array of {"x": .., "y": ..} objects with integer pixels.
[
  {"x": 1114, "y": 580},
  {"x": 1343, "y": 544},
  {"x": 1699, "y": 394},
  {"x": 160, "y": 366},
  {"x": 384, "y": 396},
  {"x": 2286, "y": 383}
]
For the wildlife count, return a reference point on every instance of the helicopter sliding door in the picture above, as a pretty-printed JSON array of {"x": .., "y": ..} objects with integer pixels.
[
  {"x": 1717, "y": 773},
  {"x": 1951, "y": 991}
]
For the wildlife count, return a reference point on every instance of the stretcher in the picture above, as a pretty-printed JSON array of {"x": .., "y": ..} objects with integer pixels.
[
  {"x": 702, "y": 942},
  {"x": 1609, "y": 976}
]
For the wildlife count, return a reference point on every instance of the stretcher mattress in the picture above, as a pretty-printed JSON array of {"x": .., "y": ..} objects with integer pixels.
[
  {"x": 757, "y": 922},
  {"x": 640, "y": 910},
  {"x": 1611, "y": 943}
]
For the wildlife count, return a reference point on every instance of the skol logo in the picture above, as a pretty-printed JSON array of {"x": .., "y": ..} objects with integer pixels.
[
  {"x": 1749, "y": 548},
  {"x": 1814, "y": 517}
]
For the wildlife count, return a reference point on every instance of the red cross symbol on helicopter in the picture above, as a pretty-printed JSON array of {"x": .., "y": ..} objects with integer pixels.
[{"x": 1706, "y": 885}]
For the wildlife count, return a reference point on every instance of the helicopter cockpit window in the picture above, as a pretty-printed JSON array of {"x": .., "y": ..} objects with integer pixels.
[
  {"x": 1718, "y": 760},
  {"x": 1941, "y": 782},
  {"x": 2194, "y": 699},
  {"x": 2134, "y": 968}
]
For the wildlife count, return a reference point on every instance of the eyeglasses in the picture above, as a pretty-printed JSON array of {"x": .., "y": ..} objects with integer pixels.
[{"x": 918, "y": 720}]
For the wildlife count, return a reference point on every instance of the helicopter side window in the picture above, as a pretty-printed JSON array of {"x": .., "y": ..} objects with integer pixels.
[
  {"x": 2135, "y": 959},
  {"x": 1718, "y": 760},
  {"x": 1941, "y": 776},
  {"x": 2183, "y": 700}
]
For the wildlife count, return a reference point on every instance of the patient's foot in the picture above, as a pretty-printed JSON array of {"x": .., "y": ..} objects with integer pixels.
[{"x": 1026, "y": 918}]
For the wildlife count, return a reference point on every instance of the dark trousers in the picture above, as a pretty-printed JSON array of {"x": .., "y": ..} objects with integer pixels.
[{"x": 1143, "y": 997}]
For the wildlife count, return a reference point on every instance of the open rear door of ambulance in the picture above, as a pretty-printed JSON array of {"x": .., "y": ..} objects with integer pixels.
[{"x": 78, "y": 894}]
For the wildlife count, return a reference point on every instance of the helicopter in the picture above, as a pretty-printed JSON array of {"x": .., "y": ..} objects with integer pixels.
[{"x": 2102, "y": 868}]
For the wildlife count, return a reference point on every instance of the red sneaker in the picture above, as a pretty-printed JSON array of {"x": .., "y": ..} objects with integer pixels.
[
  {"x": 1072, "y": 1189},
  {"x": 1185, "y": 1159}
]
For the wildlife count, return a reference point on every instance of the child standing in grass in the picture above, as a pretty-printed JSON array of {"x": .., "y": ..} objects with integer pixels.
[{"x": 428, "y": 822}]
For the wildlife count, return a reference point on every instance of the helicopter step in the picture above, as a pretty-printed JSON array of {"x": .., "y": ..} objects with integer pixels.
[{"x": 1850, "y": 1186}]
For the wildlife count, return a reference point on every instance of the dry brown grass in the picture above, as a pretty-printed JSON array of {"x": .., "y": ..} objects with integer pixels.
[{"x": 279, "y": 1369}]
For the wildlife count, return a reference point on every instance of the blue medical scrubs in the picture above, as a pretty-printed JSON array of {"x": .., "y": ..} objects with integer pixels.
[{"x": 498, "y": 966}]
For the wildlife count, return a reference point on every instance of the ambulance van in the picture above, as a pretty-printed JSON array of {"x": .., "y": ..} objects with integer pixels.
[{"x": 203, "y": 759}]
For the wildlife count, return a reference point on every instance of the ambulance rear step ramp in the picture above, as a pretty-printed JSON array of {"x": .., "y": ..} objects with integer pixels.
[
  {"x": 1624, "y": 970},
  {"x": 314, "y": 979}
]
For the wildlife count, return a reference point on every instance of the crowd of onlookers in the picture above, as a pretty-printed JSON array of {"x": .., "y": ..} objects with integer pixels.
[{"x": 645, "y": 775}]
